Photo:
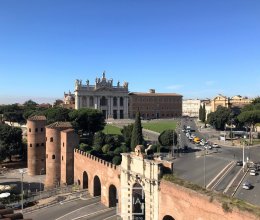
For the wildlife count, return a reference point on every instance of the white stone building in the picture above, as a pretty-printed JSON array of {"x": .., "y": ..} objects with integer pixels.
[
  {"x": 111, "y": 100},
  {"x": 190, "y": 107}
]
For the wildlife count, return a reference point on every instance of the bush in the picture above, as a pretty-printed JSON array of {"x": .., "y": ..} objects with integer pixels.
[
  {"x": 111, "y": 153},
  {"x": 84, "y": 147},
  {"x": 106, "y": 148},
  {"x": 117, "y": 160},
  {"x": 98, "y": 148},
  {"x": 94, "y": 152},
  {"x": 226, "y": 207},
  {"x": 118, "y": 151}
]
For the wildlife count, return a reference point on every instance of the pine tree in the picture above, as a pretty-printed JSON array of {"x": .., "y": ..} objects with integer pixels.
[{"x": 137, "y": 135}]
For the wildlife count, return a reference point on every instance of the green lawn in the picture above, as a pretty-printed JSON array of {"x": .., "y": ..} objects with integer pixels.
[
  {"x": 110, "y": 129},
  {"x": 159, "y": 126}
]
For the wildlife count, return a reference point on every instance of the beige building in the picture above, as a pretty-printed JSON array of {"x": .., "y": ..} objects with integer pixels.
[
  {"x": 239, "y": 101},
  {"x": 68, "y": 100},
  {"x": 219, "y": 100},
  {"x": 190, "y": 107},
  {"x": 111, "y": 100},
  {"x": 153, "y": 105}
]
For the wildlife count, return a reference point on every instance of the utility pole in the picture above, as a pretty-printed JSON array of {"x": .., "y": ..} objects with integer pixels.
[
  {"x": 205, "y": 168},
  {"x": 243, "y": 156},
  {"x": 21, "y": 171}
]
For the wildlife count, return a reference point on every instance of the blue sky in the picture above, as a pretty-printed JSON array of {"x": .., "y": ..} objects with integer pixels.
[{"x": 197, "y": 48}]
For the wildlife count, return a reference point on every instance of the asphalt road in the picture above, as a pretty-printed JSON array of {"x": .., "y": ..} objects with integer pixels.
[
  {"x": 73, "y": 210},
  {"x": 190, "y": 166}
]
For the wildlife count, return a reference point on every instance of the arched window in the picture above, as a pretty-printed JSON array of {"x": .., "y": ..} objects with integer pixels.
[
  {"x": 103, "y": 101},
  {"x": 121, "y": 101},
  {"x": 51, "y": 139},
  {"x": 115, "y": 101},
  {"x": 91, "y": 101},
  {"x": 53, "y": 157},
  {"x": 97, "y": 186}
]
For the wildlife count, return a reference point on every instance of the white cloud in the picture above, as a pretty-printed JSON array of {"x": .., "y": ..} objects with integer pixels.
[{"x": 174, "y": 87}]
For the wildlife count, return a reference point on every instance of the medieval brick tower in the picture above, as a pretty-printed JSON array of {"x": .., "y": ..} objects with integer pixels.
[
  {"x": 53, "y": 152},
  {"x": 69, "y": 141},
  {"x": 36, "y": 145}
]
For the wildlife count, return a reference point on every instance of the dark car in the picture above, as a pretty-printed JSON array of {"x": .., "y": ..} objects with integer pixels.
[{"x": 239, "y": 163}]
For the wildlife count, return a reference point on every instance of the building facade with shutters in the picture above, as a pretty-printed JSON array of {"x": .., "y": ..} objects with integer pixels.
[
  {"x": 104, "y": 96},
  {"x": 152, "y": 105}
]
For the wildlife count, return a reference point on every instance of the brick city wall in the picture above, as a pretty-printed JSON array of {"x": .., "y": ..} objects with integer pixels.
[
  {"x": 182, "y": 203},
  {"x": 108, "y": 174}
]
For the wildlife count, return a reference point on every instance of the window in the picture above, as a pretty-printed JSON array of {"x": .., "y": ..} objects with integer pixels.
[
  {"x": 36, "y": 129},
  {"x": 51, "y": 139},
  {"x": 115, "y": 101},
  {"x": 37, "y": 145},
  {"x": 121, "y": 101},
  {"x": 61, "y": 157},
  {"x": 30, "y": 145},
  {"x": 42, "y": 144},
  {"x": 30, "y": 130},
  {"x": 63, "y": 144},
  {"x": 53, "y": 157},
  {"x": 41, "y": 129},
  {"x": 46, "y": 155}
]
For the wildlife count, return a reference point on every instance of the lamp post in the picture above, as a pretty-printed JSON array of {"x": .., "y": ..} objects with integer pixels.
[
  {"x": 41, "y": 182},
  {"x": 205, "y": 168},
  {"x": 22, "y": 172}
]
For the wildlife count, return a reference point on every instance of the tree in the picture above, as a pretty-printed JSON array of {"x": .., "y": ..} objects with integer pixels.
[
  {"x": 99, "y": 139},
  {"x": 200, "y": 113},
  {"x": 219, "y": 118},
  {"x": 127, "y": 134},
  {"x": 87, "y": 120},
  {"x": 203, "y": 113},
  {"x": 256, "y": 100},
  {"x": 168, "y": 138},
  {"x": 250, "y": 118},
  {"x": 57, "y": 114},
  {"x": 30, "y": 104},
  {"x": 57, "y": 102},
  {"x": 137, "y": 135},
  {"x": 10, "y": 140}
]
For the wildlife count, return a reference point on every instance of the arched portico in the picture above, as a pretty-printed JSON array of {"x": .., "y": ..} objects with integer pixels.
[
  {"x": 85, "y": 180},
  {"x": 112, "y": 193},
  {"x": 96, "y": 186},
  {"x": 138, "y": 201},
  {"x": 168, "y": 217}
]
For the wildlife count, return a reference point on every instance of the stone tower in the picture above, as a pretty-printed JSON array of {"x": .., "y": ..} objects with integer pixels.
[
  {"x": 53, "y": 153},
  {"x": 69, "y": 141},
  {"x": 36, "y": 145}
]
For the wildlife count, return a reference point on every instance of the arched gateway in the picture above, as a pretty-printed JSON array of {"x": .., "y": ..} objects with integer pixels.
[
  {"x": 112, "y": 196},
  {"x": 140, "y": 185},
  {"x": 96, "y": 186},
  {"x": 168, "y": 217},
  {"x": 85, "y": 180}
]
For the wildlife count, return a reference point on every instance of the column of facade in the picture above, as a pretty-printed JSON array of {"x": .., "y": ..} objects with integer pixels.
[
  {"x": 77, "y": 101},
  {"x": 118, "y": 107},
  {"x": 87, "y": 102},
  {"x": 110, "y": 104},
  {"x": 126, "y": 107}
]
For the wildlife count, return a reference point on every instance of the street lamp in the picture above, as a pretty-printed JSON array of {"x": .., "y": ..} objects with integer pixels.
[
  {"x": 22, "y": 171},
  {"x": 205, "y": 168},
  {"x": 41, "y": 182}
]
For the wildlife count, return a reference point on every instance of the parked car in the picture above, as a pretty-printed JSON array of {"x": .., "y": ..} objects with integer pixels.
[
  {"x": 247, "y": 185},
  {"x": 239, "y": 163},
  {"x": 252, "y": 172},
  {"x": 215, "y": 145}
]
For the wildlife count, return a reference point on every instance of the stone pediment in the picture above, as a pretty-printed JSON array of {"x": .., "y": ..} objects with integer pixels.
[{"x": 103, "y": 88}]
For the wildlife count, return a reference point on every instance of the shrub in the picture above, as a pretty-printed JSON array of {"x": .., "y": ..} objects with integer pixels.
[
  {"x": 226, "y": 207},
  {"x": 106, "y": 148},
  {"x": 84, "y": 147},
  {"x": 117, "y": 160},
  {"x": 118, "y": 151}
]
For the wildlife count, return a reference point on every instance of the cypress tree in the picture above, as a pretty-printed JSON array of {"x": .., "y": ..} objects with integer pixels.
[
  {"x": 203, "y": 113},
  {"x": 137, "y": 135},
  {"x": 200, "y": 113}
]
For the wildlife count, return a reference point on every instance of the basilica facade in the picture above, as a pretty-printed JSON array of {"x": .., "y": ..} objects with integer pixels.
[{"x": 104, "y": 96}]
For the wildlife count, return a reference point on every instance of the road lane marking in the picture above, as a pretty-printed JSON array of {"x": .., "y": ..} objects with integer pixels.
[
  {"x": 110, "y": 217},
  {"x": 77, "y": 210},
  {"x": 232, "y": 181},
  {"x": 94, "y": 213},
  {"x": 219, "y": 174}
]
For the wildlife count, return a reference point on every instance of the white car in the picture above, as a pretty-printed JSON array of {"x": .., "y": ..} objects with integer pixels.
[
  {"x": 252, "y": 173},
  {"x": 247, "y": 185},
  {"x": 215, "y": 145}
]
